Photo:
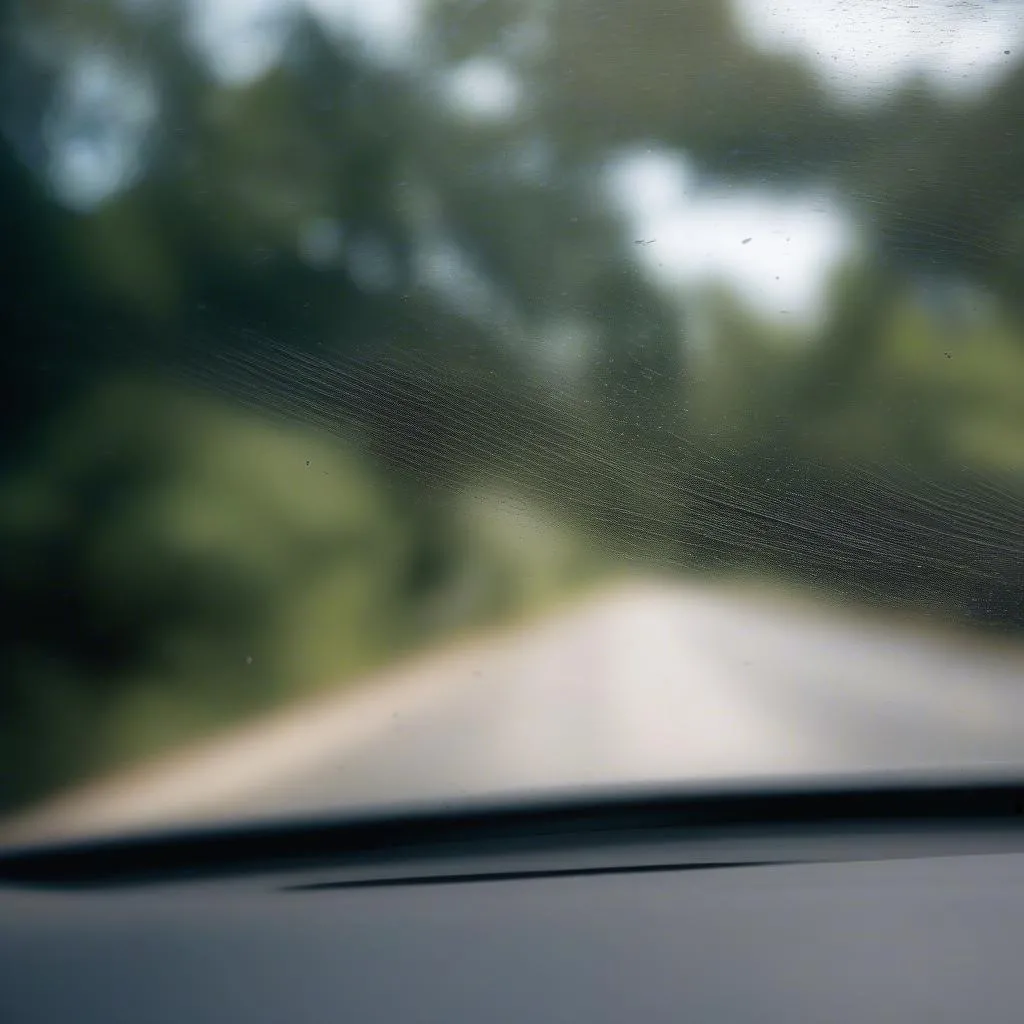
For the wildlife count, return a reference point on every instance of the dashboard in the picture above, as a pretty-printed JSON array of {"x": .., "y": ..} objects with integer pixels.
[{"x": 650, "y": 912}]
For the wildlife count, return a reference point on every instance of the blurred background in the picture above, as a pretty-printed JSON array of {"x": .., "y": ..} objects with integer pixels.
[{"x": 333, "y": 330}]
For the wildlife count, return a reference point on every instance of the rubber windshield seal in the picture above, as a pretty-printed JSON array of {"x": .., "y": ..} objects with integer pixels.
[{"x": 560, "y": 818}]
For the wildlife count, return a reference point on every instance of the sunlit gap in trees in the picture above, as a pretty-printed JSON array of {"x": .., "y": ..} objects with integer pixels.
[
  {"x": 243, "y": 38},
  {"x": 776, "y": 251},
  {"x": 864, "y": 49},
  {"x": 98, "y": 128}
]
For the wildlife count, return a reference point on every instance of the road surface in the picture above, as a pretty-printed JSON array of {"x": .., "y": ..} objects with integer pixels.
[{"x": 647, "y": 682}]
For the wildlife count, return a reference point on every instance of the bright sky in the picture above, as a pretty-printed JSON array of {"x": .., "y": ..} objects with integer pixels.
[
  {"x": 865, "y": 47},
  {"x": 93, "y": 154},
  {"x": 860, "y": 46},
  {"x": 776, "y": 250},
  {"x": 482, "y": 89},
  {"x": 241, "y": 38}
]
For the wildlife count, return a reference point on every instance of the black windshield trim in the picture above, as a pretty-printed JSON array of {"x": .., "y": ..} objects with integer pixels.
[{"x": 557, "y": 818}]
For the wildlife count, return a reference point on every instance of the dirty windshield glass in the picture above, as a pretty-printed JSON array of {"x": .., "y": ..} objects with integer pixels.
[{"x": 416, "y": 400}]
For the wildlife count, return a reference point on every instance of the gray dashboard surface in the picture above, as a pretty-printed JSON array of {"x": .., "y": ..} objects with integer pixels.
[{"x": 915, "y": 938}]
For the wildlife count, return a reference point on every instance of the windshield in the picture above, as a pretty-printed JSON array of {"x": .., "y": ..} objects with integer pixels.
[{"x": 414, "y": 400}]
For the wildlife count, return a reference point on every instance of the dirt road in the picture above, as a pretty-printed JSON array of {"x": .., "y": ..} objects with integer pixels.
[{"x": 647, "y": 682}]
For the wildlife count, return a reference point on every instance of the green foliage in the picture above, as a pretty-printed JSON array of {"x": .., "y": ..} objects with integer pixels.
[{"x": 162, "y": 541}]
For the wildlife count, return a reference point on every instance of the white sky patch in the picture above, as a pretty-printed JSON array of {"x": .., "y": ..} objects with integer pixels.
[
  {"x": 96, "y": 131},
  {"x": 482, "y": 89},
  {"x": 389, "y": 28},
  {"x": 776, "y": 251},
  {"x": 241, "y": 39},
  {"x": 863, "y": 48}
]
